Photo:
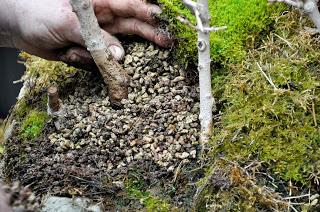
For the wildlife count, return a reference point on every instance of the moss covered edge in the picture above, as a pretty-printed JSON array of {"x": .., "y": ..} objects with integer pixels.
[{"x": 246, "y": 21}]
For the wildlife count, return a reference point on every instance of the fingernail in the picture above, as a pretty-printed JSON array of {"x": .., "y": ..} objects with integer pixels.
[
  {"x": 116, "y": 52},
  {"x": 155, "y": 9},
  {"x": 74, "y": 58}
]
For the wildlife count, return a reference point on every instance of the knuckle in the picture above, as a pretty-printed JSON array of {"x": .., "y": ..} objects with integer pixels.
[
  {"x": 136, "y": 26},
  {"x": 132, "y": 5}
]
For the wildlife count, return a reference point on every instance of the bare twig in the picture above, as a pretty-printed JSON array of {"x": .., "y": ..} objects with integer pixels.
[
  {"x": 113, "y": 74},
  {"x": 191, "y": 5},
  {"x": 314, "y": 112},
  {"x": 265, "y": 75},
  {"x": 215, "y": 29},
  {"x": 297, "y": 197},
  {"x": 185, "y": 21},
  {"x": 284, "y": 40},
  {"x": 53, "y": 99}
]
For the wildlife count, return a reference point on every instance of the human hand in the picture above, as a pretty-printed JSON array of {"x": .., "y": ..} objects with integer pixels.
[
  {"x": 4, "y": 200},
  {"x": 48, "y": 28}
]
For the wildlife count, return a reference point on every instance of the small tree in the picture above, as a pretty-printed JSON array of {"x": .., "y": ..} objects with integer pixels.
[
  {"x": 112, "y": 72},
  {"x": 308, "y": 6},
  {"x": 201, "y": 11}
]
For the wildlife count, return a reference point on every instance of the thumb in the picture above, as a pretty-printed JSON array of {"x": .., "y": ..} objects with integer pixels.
[
  {"x": 79, "y": 57},
  {"x": 114, "y": 46}
]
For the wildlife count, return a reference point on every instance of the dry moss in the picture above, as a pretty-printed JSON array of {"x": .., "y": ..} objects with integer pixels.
[
  {"x": 230, "y": 186},
  {"x": 277, "y": 126},
  {"x": 43, "y": 73}
]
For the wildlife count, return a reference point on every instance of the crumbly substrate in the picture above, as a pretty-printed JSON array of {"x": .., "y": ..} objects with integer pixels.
[
  {"x": 158, "y": 122},
  {"x": 155, "y": 133}
]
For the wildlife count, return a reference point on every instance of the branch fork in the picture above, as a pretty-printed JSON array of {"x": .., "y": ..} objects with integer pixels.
[{"x": 200, "y": 11}]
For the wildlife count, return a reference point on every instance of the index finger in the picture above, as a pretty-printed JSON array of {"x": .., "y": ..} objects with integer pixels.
[{"x": 130, "y": 8}]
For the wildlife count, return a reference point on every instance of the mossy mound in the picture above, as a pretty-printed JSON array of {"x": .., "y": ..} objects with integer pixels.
[
  {"x": 30, "y": 110},
  {"x": 33, "y": 124},
  {"x": 246, "y": 21},
  {"x": 41, "y": 73},
  {"x": 277, "y": 126}
]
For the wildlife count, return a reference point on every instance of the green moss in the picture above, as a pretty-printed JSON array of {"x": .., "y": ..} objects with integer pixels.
[
  {"x": 135, "y": 189},
  {"x": 44, "y": 73},
  {"x": 245, "y": 19},
  {"x": 275, "y": 126},
  {"x": 21, "y": 109},
  {"x": 33, "y": 124}
]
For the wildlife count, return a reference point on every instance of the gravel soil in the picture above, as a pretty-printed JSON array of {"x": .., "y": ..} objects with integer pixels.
[{"x": 93, "y": 146}]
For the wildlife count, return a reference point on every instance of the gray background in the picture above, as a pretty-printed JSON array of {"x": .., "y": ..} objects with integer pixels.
[{"x": 10, "y": 71}]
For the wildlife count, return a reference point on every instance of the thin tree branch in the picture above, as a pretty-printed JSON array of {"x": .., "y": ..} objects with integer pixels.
[
  {"x": 113, "y": 74},
  {"x": 191, "y": 5},
  {"x": 265, "y": 75},
  {"x": 215, "y": 29}
]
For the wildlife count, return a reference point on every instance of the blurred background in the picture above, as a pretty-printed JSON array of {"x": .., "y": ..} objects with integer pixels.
[{"x": 10, "y": 71}]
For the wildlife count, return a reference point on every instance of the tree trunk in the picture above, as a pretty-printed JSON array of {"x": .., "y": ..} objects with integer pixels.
[
  {"x": 113, "y": 74},
  {"x": 206, "y": 99},
  {"x": 311, "y": 7}
]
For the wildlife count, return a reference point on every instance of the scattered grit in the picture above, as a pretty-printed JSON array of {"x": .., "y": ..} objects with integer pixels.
[{"x": 159, "y": 121}]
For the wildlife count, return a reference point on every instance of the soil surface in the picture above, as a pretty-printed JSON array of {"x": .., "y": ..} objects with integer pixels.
[{"x": 93, "y": 148}]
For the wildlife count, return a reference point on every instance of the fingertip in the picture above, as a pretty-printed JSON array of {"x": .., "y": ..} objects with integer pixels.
[
  {"x": 164, "y": 39},
  {"x": 117, "y": 52},
  {"x": 155, "y": 9}
]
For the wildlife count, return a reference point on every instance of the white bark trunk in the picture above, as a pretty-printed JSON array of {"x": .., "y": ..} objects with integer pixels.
[
  {"x": 206, "y": 99},
  {"x": 308, "y": 6},
  {"x": 311, "y": 8},
  {"x": 202, "y": 13}
]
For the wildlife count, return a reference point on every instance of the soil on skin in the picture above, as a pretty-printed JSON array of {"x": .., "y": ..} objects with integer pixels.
[{"x": 94, "y": 149}]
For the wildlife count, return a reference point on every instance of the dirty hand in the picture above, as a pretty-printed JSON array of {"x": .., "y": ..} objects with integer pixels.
[{"x": 48, "y": 28}]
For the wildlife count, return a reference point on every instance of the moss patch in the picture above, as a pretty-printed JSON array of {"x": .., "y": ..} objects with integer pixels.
[
  {"x": 277, "y": 126},
  {"x": 245, "y": 19},
  {"x": 30, "y": 111},
  {"x": 33, "y": 124},
  {"x": 43, "y": 73},
  {"x": 135, "y": 189}
]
